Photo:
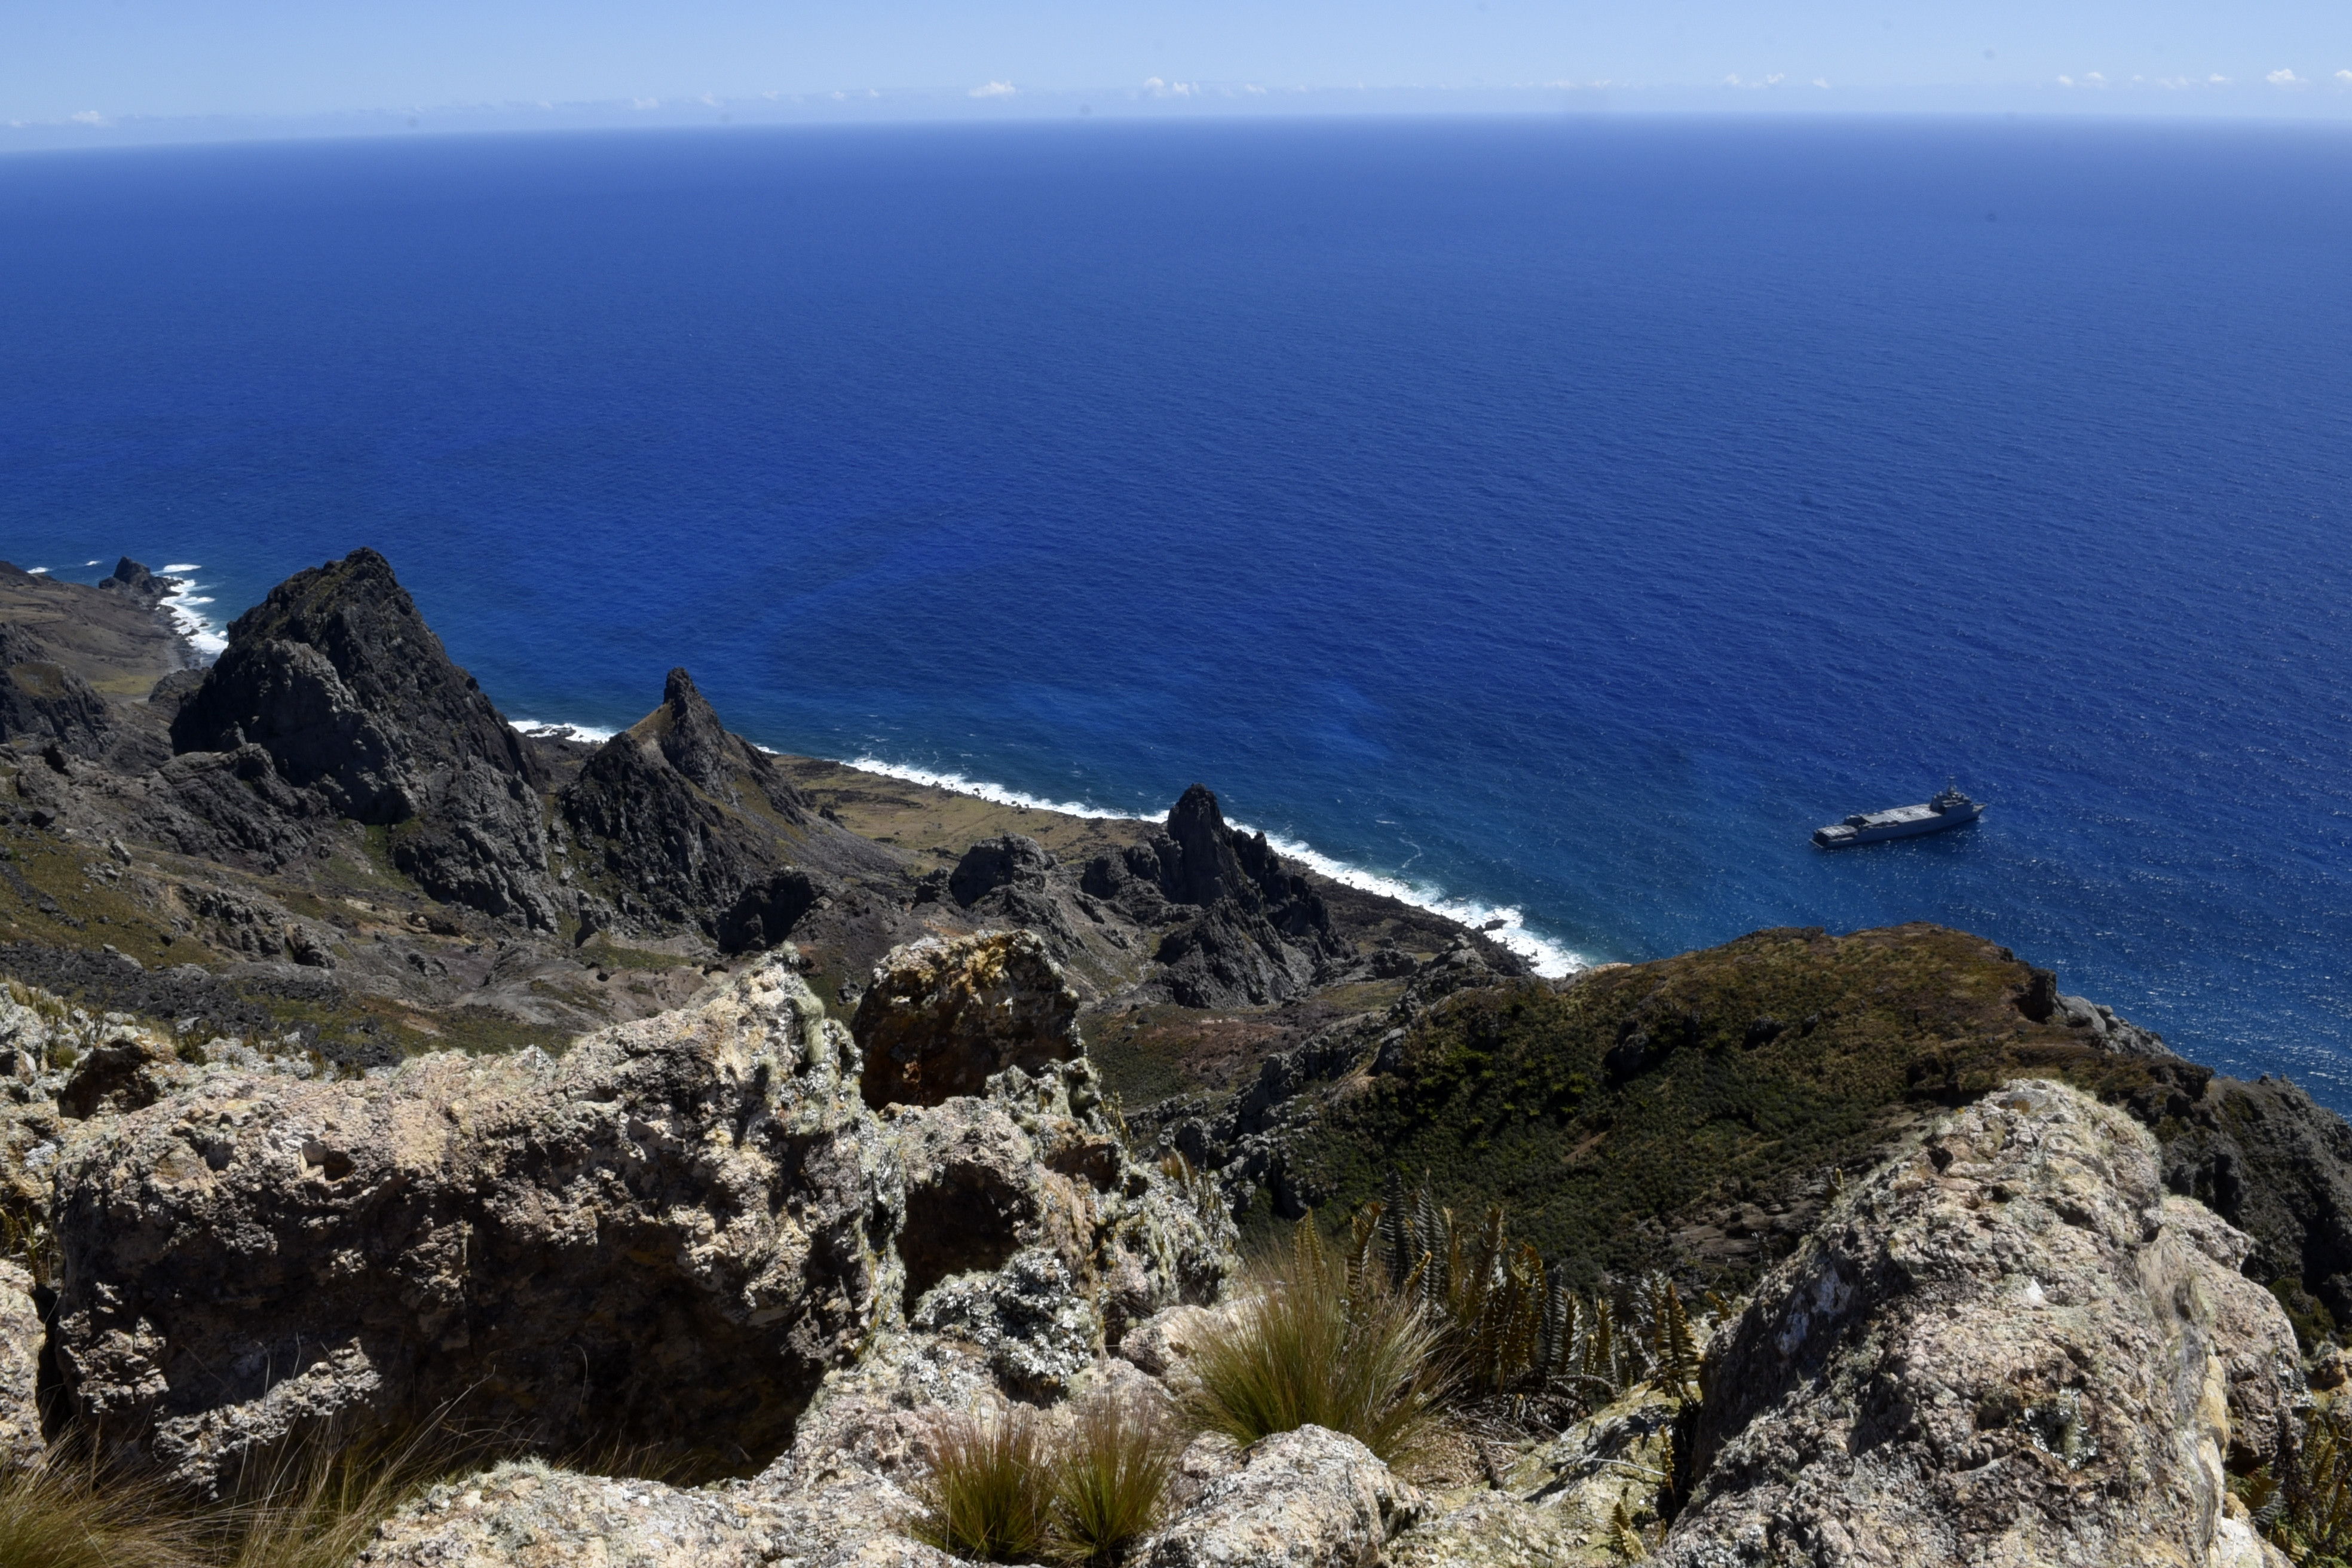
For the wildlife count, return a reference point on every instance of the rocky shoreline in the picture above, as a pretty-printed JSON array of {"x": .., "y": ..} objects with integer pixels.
[{"x": 366, "y": 1065}]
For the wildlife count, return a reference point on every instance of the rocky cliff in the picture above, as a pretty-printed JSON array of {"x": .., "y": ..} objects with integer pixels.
[{"x": 335, "y": 686}]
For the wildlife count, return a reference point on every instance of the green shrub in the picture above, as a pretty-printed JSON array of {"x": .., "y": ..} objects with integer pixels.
[
  {"x": 1505, "y": 1323},
  {"x": 1313, "y": 1346},
  {"x": 989, "y": 1495},
  {"x": 1111, "y": 1478},
  {"x": 2301, "y": 1501}
]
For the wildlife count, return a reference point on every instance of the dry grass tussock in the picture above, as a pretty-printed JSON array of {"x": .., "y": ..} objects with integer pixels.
[
  {"x": 312, "y": 1503},
  {"x": 1006, "y": 1488},
  {"x": 1318, "y": 1344}
]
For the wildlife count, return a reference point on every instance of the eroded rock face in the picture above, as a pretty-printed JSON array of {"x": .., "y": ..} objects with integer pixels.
[
  {"x": 2009, "y": 1347},
  {"x": 669, "y": 1235},
  {"x": 993, "y": 863},
  {"x": 1033, "y": 1236},
  {"x": 941, "y": 1017},
  {"x": 684, "y": 816}
]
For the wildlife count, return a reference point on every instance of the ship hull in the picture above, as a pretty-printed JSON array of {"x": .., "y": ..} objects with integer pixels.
[{"x": 1843, "y": 837}]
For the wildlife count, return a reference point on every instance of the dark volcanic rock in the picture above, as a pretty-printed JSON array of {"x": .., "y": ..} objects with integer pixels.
[
  {"x": 133, "y": 579},
  {"x": 338, "y": 678},
  {"x": 684, "y": 818},
  {"x": 995, "y": 863},
  {"x": 941, "y": 1016},
  {"x": 2277, "y": 1164},
  {"x": 722, "y": 764},
  {"x": 764, "y": 913},
  {"x": 1263, "y": 935},
  {"x": 41, "y": 699}
]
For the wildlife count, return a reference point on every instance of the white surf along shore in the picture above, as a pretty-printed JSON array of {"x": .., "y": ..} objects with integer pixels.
[
  {"x": 185, "y": 601},
  {"x": 1506, "y": 924}
]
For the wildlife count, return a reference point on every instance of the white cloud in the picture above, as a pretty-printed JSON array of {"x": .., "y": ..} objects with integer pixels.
[
  {"x": 1776, "y": 78},
  {"x": 709, "y": 100},
  {"x": 2065, "y": 81},
  {"x": 2345, "y": 76},
  {"x": 1820, "y": 81},
  {"x": 88, "y": 117},
  {"x": 2283, "y": 77},
  {"x": 645, "y": 103},
  {"x": 995, "y": 89},
  {"x": 1731, "y": 81},
  {"x": 2094, "y": 78},
  {"x": 1159, "y": 88},
  {"x": 2218, "y": 80}
]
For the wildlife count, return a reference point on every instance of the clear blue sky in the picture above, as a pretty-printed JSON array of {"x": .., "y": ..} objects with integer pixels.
[{"x": 116, "y": 58}]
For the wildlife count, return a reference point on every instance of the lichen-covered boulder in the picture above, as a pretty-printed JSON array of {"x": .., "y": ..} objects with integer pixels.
[
  {"x": 1495, "y": 1529},
  {"x": 20, "y": 1370},
  {"x": 2009, "y": 1346},
  {"x": 667, "y": 1237},
  {"x": 941, "y": 1017},
  {"x": 1305, "y": 1498},
  {"x": 528, "y": 1515},
  {"x": 1032, "y": 1229}
]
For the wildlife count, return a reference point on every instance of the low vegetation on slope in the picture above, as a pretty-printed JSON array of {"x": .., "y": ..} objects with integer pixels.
[{"x": 1697, "y": 1110}]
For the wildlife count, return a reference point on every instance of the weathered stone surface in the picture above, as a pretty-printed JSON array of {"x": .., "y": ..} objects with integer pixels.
[
  {"x": 667, "y": 1237},
  {"x": 1494, "y": 1529},
  {"x": 528, "y": 1515},
  {"x": 941, "y": 1016},
  {"x": 20, "y": 1369},
  {"x": 1307, "y": 1499},
  {"x": 2006, "y": 1347},
  {"x": 1036, "y": 1330},
  {"x": 1622, "y": 1453},
  {"x": 1009, "y": 1195}
]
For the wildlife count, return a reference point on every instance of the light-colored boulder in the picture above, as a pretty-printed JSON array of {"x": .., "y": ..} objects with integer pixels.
[
  {"x": 1307, "y": 1499},
  {"x": 1495, "y": 1529},
  {"x": 669, "y": 1235},
  {"x": 528, "y": 1515},
  {"x": 2009, "y": 1347},
  {"x": 20, "y": 1370}
]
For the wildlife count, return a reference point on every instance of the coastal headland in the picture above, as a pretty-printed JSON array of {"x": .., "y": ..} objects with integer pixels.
[{"x": 762, "y": 1112}]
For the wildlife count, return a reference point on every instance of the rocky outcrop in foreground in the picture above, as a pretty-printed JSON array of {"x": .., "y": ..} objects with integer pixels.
[
  {"x": 2006, "y": 1346},
  {"x": 674, "y": 1229},
  {"x": 941, "y": 1017},
  {"x": 666, "y": 1238}
]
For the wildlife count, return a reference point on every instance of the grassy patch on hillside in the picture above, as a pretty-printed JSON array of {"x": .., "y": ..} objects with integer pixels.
[{"x": 1613, "y": 1116}]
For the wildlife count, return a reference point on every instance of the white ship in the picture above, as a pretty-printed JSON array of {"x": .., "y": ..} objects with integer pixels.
[{"x": 1950, "y": 808}]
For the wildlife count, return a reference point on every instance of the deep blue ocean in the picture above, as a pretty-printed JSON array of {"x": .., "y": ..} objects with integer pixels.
[{"x": 1562, "y": 516}]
